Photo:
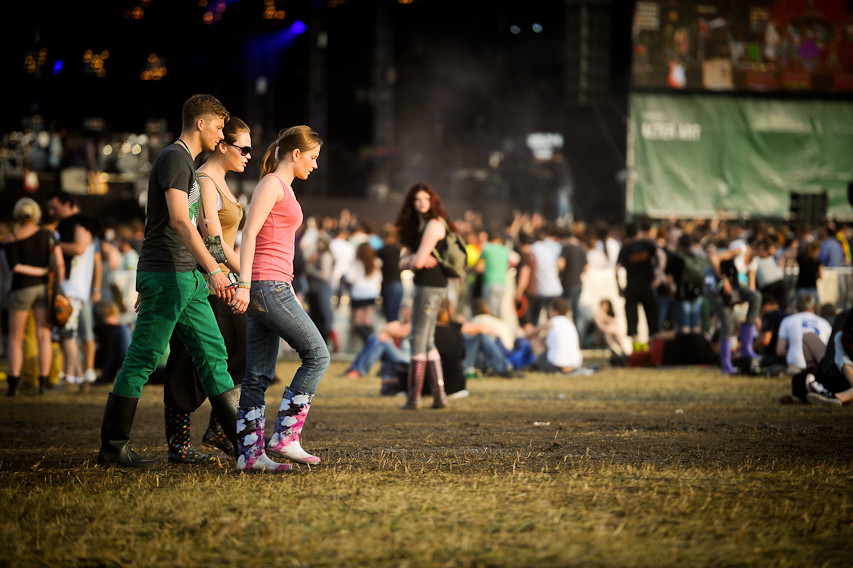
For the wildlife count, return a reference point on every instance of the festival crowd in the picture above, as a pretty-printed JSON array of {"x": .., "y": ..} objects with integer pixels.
[{"x": 157, "y": 301}]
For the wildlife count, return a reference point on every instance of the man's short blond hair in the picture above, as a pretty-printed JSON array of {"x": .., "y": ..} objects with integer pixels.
[{"x": 198, "y": 106}]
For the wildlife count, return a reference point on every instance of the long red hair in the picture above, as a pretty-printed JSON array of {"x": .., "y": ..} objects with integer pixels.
[{"x": 408, "y": 224}]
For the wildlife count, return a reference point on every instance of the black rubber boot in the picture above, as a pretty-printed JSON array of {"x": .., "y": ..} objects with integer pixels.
[
  {"x": 215, "y": 437},
  {"x": 225, "y": 409},
  {"x": 14, "y": 384},
  {"x": 115, "y": 434}
]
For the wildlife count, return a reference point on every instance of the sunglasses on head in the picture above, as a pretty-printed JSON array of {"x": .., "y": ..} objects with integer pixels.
[{"x": 244, "y": 150}]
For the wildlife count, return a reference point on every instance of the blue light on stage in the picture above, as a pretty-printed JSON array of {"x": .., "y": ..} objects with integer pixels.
[
  {"x": 57, "y": 67},
  {"x": 278, "y": 41}
]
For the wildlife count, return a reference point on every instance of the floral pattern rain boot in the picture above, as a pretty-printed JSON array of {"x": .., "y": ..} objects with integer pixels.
[
  {"x": 291, "y": 419},
  {"x": 250, "y": 442}
]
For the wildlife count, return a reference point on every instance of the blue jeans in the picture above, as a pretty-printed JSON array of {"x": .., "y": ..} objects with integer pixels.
[
  {"x": 573, "y": 298},
  {"x": 375, "y": 350},
  {"x": 392, "y": 299},
  {"x": 725, "y": 314},
  {"x": 425, "y": 306},
  {"x": 117, "y": 354},
  {"x": 483, "y": 352},
  {"x": 688, "y": 313},
  {"x": 274, "y": 313},
  {"x": 664, "y": 303}
]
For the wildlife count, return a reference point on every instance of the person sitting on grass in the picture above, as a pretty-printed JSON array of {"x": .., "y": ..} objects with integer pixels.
[
  {"x": 611, "y": 329},
  {"x": 828, "y": 378},
  {"x": 490, "y": 345},
  {"x": 556, "y": 343},
  {"x": 389, "y": 345},
  {"x": 792, "y": 329}
]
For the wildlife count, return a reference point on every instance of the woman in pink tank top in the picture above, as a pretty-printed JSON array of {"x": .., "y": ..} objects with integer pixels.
[{"x": 274, "y": 312}]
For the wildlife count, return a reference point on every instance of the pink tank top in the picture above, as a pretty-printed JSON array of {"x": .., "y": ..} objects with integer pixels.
[{"x": 276, "y": 241}]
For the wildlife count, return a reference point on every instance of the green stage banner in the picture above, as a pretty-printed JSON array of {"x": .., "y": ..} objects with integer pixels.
[{"x": 693, "y": 156}]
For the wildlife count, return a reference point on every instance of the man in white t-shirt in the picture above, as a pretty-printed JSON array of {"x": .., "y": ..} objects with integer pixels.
[
  {"x": 547, "y": 251},
  {"x": 793, "y": 327},
  {"x": 561, "y": 351}
]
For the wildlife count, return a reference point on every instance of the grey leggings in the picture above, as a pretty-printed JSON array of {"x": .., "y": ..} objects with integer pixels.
[{"x": 425, "y": 306}]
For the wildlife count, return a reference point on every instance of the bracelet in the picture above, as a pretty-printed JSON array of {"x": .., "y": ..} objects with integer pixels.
[
  {"x": 217, "y": 271},
  {"x": 246, "y": 285}
]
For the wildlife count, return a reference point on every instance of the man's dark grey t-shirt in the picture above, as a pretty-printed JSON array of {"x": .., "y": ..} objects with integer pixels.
[{"x": 162, "y": 248}]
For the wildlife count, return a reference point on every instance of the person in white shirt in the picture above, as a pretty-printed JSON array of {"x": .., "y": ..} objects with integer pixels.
[
  {"x": 344, "y": 254},
  {"x": 549, "y": 263},
  {"x": 365, "y": 280},
  {"x": 559, "y": 351},
  {"x": 793, "y": 327}
]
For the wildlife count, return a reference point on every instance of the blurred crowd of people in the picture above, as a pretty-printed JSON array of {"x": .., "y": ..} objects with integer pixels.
[{"x": 537, "y": 293}]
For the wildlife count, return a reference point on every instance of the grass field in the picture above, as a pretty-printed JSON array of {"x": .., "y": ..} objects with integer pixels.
[{"x": 628, "y": 467}]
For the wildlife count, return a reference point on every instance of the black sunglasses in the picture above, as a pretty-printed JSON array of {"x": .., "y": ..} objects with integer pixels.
[{"x": 244, "y": 150}]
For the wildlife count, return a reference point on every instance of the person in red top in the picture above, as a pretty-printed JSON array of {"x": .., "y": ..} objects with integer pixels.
[{"x": 274, "y": 312}]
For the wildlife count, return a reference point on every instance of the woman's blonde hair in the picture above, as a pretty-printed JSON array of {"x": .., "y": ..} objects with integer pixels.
[
  {"x": 301, "y": 138},
  {"x": 26, "y": 209}
]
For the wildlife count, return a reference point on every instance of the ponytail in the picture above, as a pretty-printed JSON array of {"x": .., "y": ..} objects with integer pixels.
[{"x": 301, "y": 138}]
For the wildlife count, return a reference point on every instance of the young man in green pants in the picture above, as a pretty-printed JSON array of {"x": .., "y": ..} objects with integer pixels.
[{"x": 172, "y": 291}]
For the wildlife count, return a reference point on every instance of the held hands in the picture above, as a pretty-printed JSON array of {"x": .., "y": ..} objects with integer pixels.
[
  {"x": 220, "y": 284},
  {"x": 240, "y": 301}
]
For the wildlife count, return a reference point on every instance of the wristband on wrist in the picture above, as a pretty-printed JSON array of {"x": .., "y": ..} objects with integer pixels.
[
  {"x": 217, "y": 271},
  {"x": 242, "y": 284}
]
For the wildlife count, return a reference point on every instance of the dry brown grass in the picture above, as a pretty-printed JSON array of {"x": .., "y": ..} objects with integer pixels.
[{"x": 544, "y": 471}]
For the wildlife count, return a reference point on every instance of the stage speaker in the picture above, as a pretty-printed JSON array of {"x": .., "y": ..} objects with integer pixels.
[{"x": 809, "y": 208}]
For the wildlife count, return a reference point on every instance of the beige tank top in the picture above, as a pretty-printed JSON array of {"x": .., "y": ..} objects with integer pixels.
[{"x": 229, "y": 218}]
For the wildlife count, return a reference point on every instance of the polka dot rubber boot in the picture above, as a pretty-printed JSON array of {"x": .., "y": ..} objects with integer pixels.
[{"x": 178, "y": 437}]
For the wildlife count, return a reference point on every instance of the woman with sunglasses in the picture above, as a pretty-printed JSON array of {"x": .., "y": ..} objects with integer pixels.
[
  {"x": 266, "y": 259},
  {"x": 220, "y": 214}
]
